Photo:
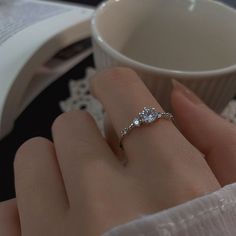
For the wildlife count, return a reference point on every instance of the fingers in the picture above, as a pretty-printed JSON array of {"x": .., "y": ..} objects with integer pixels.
[
  {"x": 9, "y": 219},
  {"x": 39, "y": 186},
  {"x": 211, "y": 134},
  {"x": 82, "y": 152},
  {"x": 159, "y": 145},
  {"x": 124, "y": 95}
]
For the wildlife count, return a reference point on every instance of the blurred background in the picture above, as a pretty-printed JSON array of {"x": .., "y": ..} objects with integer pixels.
[{"x": 44, "y": 108}]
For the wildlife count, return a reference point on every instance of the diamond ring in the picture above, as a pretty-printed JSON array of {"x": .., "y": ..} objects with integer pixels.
[{"x": 145, "y": 117}]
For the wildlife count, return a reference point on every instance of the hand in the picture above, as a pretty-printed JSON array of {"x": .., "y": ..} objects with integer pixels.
[{"x": 77, "y": 186}]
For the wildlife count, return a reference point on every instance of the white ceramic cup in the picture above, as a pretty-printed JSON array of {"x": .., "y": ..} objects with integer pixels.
[{"x": 193, "y": 41}]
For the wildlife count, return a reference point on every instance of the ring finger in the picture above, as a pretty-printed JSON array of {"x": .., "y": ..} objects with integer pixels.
[
  {"x": 124, "y": 103},
  {"x": 159, "y": 147}
]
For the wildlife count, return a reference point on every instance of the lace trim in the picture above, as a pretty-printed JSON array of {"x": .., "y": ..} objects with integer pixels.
[{"x": 80, "y": 98}]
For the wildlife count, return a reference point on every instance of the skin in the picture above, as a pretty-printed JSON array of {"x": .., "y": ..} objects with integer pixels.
[{"x": 77, "y": 184}]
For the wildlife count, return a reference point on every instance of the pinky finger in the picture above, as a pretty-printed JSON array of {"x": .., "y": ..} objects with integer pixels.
[{"x": 9, "y": 219}]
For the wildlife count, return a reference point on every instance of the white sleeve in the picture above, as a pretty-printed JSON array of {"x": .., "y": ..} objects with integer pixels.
[{"x": 211, "y": 215}]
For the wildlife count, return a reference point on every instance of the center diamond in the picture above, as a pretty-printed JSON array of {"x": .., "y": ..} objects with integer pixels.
[{"x": 148, "y": 115}]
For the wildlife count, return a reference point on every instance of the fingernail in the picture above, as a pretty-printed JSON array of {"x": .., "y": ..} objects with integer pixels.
[{"x": 191, "y": 96}]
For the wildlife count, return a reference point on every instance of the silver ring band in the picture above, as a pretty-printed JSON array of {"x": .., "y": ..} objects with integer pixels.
[{"x": 145, "y": 117}]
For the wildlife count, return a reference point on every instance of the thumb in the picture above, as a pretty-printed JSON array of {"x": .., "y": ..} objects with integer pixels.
[{"x": 210, "y": 133}]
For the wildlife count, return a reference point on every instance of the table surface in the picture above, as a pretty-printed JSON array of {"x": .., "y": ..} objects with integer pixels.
[{"x": 46, "y": 107}]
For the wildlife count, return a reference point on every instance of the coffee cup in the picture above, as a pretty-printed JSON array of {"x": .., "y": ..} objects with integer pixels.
[{"x": 192, "y": 41}]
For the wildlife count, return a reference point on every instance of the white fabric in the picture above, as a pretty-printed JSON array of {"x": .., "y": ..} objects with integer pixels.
[{"x": 211, "y": 215}]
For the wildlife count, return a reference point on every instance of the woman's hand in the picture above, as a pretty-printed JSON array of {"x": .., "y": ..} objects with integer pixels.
[{"x": 77, "y": 186}]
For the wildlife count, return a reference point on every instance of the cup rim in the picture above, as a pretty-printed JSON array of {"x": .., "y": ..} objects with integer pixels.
[{"x": 153, "y": 69}]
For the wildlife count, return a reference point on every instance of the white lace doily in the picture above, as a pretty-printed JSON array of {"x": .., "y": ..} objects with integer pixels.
[
  {"x": 80, "y": 98},
  {"x": 230, "y": 111}
]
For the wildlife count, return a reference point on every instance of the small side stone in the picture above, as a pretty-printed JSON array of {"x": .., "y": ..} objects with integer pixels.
[
  {"x": 158, "y": 115},
  {"x": 136, "y": 122},
  {"x": 124, "y": 132}
]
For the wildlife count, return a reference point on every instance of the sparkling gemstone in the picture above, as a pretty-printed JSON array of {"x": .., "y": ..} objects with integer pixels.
[
  {"x": 136, "y": 122},
  {"x": 124, "y": 132},
  {"x": 148, "y": 115},
  {"x": 158, "y": 114}
]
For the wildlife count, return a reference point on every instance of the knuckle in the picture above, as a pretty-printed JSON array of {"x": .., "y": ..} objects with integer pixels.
[
  {"x": 118, "y": 77},
  {"x": 61, "y": 120},
  {"x": 229, "y": 141},
  {"x": 68, "y": 119},
  {"x": 26, "y": 150},
  {"x": 228, "y": 135},
  {"x": 120, "y": 72}
]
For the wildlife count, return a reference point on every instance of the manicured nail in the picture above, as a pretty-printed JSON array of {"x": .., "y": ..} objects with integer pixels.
[{"x": 186, "y": 92}]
